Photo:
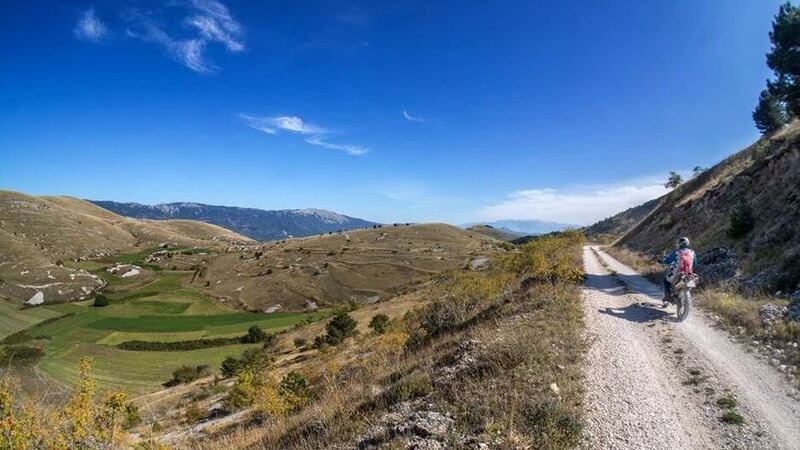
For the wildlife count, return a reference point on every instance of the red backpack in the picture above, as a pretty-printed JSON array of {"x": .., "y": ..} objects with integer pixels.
[{"x": 685, "y": 261}]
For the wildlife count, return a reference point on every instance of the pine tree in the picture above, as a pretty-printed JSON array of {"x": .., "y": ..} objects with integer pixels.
[
  {"x": 768, "y": 115},
  {"x": 673, "y": 180},
  {"x": 784, "y": 57}
]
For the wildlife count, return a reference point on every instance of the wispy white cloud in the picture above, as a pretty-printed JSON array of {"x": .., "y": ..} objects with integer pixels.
[
  {"x": 205, "y": 22},
  {"x": 411, "y": 118},
  {"x": 580, "y": 206},
  {"x": 347, "y": 148},
  {"x": 315, "y": 135},
  {"x": 216, "y": 24},
  {"x": 90, "y": 28}
]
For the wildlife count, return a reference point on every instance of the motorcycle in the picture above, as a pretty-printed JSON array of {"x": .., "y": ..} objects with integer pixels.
[{"x": 681, "y": 293}]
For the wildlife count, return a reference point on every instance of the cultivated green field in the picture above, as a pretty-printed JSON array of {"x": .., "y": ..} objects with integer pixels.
[
  {"x": 159, "y": 310},
  {"x": 13, "y": 318}
]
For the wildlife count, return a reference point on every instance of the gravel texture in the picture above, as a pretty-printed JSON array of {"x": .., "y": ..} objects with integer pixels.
[{"x": 656, "y": 383}]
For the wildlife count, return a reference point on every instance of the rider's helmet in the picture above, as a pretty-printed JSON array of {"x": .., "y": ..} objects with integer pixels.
[{"x": 684, "y": 242}]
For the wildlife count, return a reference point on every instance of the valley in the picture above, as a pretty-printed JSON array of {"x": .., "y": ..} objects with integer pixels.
[
  {"x": 175, "y": 284},
  {"x": 160, "y": 308}
]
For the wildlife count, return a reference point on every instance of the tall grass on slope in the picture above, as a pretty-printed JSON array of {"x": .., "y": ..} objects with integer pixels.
[{"x": 498, "y": 351}]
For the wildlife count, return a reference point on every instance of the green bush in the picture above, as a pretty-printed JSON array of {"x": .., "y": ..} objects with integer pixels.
[
  {"x": 17, "y": 338},
  {"x": 20, "y": 354},
  {"x": 341, "y": 327},
  {"x": 294, "y": 388},
  {"x": 187, "y": 374},
  {"x": 411, "y": 387},
  {"x": 100, "y": 301},
  {"x": 254, "y": 335},
  {"x": 742, "y": 220},
  {"x": 231, "y": 366},
  {"x": 321, "y": 342},
  {"x": 132, "y": 416},
  {"x": 379, "y": 323},
  {"x": 193, "y": 344}
]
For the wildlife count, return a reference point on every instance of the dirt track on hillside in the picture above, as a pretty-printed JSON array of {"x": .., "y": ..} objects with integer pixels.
[{"x": 655, "y": 383}]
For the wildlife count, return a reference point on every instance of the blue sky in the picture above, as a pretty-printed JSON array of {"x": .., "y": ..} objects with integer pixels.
[{"x": 391, "y": 111}]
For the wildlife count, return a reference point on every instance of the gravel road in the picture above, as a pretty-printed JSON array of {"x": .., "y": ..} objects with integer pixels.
[{"x": 655, "y": 383}]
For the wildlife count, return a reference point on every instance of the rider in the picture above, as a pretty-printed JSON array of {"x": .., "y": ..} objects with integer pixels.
[{"x": 672, "y": 260}]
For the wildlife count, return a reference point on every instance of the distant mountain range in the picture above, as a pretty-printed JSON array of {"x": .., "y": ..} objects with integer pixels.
[
  {"x": 255, "y": 223},
  {"x": 525, "y": 227}
]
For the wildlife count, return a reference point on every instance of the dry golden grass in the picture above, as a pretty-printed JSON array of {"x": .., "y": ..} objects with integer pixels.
[
  {"x": 646, "y": 266},
  {"x": 524, "y": 319},
  {"x": 338, "y": 268}
]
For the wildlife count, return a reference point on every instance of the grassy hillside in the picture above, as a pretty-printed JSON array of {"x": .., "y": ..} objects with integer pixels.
[
  {"x": 497, "y": 233},
  {"x": 491, "y": 357},
  {"x": 39, "y": 234},
  {"x": 357, "y": 266},
  {"x": 765, "y": 178},
  {"x": 611, "y": 228}
]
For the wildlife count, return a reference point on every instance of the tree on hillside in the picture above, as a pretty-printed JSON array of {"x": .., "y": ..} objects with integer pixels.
[
  {"x": 341, "y": 327},
  {"x": 674, "y": 180},
  {"x": 698, "y": 170},
  {"x": 769, "y": 114},
  {"x": 742, "y": 220},
  {"x": 784, "y": 57}
]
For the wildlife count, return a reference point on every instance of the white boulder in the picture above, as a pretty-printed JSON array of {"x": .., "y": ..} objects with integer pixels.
[{"x": 37, "y": 299}]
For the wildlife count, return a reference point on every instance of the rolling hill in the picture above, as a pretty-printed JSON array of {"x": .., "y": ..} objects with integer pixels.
[
  {"x": 503, "y": 234},
  {"x": 526, "y": 227},
  {"x": 361, "y": 266},
  {"x": 617, "y": 225},
  {"x": 759, "y": 185},
  {"x": 258, "y": 224},
  {"x": 40, "y": 235}
]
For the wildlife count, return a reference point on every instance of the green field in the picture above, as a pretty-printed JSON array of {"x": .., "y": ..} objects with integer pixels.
[
  {"x": 161, "y": 310},
  {"x": 13, "y": 318}
]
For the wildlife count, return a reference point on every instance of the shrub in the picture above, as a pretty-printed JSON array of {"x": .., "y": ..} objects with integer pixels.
[
  {"x": 20, "y": 354},
  {"x": 255, "y": 359},
  {"x": 341, "y": 327},
  {"x": 732, "y": 417},
  {"x": 742, "y": 220},
  {"x": 132, "y": 416},
  {"x": 231, "y": 366},
  {"x": 411, "y": 387},
  {"x": 321, "y": 342},
  {"x": 259, "y": 391},
  {"x": 174, "y": 346},
  {"x": 379, "y": 323},
  {"x": 17, "y": 338},
  {"x": 194, "y": 413},
  {"x": 294, "y": 389},
  {"x": 187, "y": 374},
  {"x": 446, "y": 315},
  {"x": 299, "y": 342},
  {"x": 100, "y": 301},
  {"x": 254, "y": 335}
]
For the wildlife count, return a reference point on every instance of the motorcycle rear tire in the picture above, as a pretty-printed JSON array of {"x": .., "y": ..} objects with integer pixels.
[{"x": 684, "y": 304}]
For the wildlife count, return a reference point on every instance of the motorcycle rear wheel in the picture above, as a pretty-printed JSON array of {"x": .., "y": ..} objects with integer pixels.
[{"x": 684, "y": 304}]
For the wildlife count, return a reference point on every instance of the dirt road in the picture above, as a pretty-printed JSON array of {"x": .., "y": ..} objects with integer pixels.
[{"x": 656, "y": 383}]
